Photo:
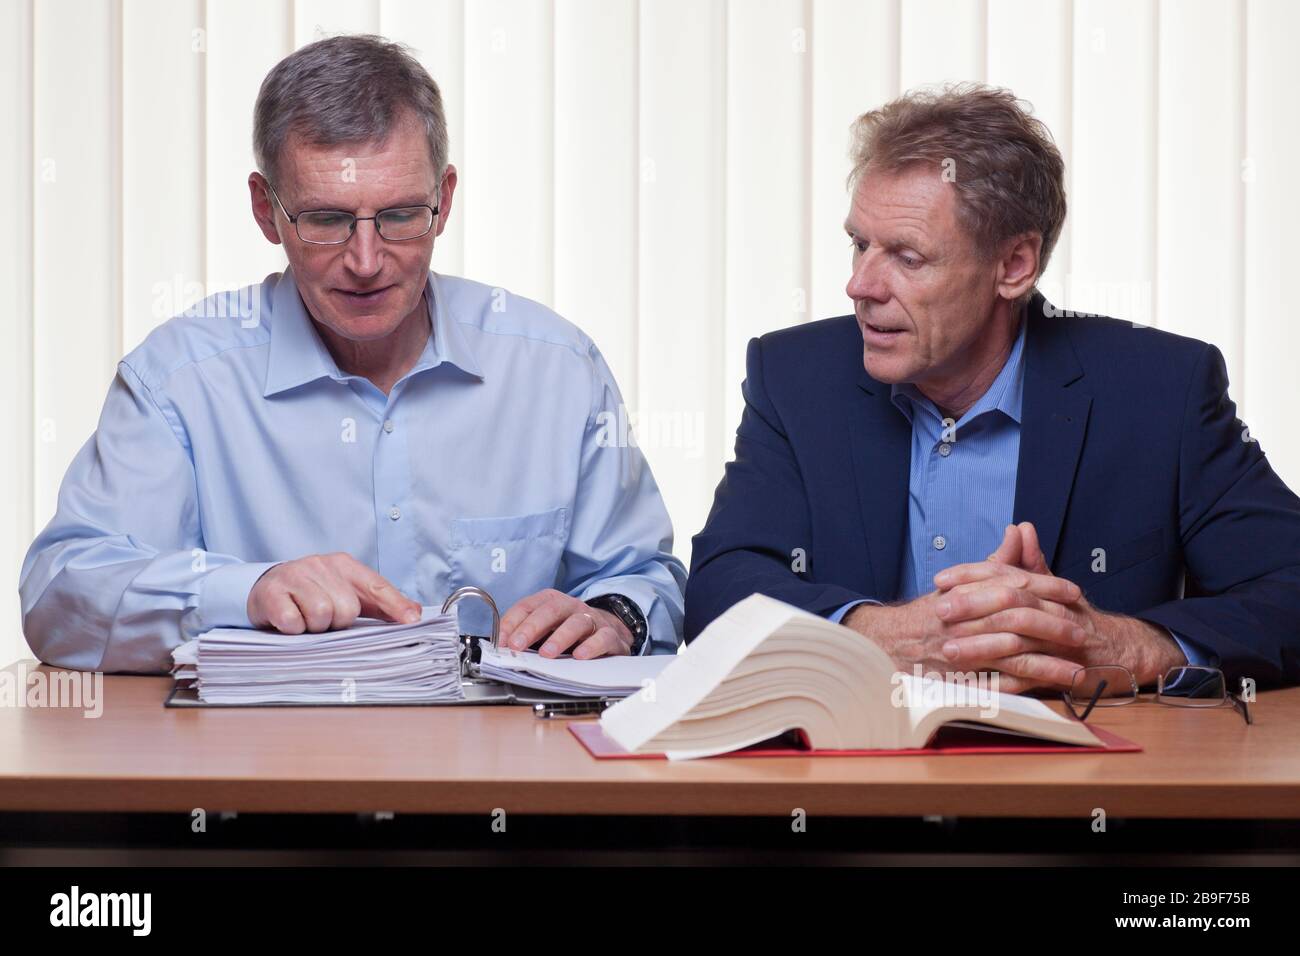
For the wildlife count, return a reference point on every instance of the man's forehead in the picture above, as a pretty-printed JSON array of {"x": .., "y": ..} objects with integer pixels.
[
  {"x": 392, "y": 169},
  {"x": 918, "y": 197}
]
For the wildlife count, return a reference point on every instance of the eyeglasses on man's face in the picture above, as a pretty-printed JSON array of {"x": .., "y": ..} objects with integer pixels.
[
  {"x": 332, "y": 227},
  {"x": 1112, "y": 685}
]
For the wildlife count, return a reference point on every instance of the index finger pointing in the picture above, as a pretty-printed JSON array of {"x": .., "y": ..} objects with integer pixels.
[{"x": 379, "y": 597}]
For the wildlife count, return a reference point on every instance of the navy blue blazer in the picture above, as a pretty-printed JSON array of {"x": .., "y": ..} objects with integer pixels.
[{"x": 1128, "y": 442}]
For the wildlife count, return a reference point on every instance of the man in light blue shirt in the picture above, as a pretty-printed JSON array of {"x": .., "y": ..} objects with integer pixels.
[{"x": 356, "y": 435}]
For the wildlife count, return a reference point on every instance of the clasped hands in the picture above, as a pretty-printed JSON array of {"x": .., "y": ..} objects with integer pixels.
[{"x": 1010, "y": 614}]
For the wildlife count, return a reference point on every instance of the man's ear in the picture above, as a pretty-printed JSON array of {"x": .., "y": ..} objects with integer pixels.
[
  {"x": 1018, "y": 267},
  {"x": 444, "y": 197},
  {"x": 263, "y": 209}
]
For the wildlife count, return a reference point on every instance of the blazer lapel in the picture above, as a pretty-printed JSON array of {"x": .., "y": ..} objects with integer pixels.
[
  {"x": 881, "y": 438},
  {"x": 1054, "y": 420}
]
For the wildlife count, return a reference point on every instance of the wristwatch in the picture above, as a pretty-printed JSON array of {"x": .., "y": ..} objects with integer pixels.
[{"x": 626, "y": 611}]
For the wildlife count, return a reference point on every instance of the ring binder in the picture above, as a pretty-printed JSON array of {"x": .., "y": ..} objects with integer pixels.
[
  {"x": 470, "y": 590},
  {"x": 475, "y": 687}
]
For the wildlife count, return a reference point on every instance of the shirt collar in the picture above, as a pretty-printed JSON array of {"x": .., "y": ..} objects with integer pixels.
[
  {"x": 1004, "y": 395},
  {"x": 448, "y": 343},
  {"x": 298, "y": 355}
]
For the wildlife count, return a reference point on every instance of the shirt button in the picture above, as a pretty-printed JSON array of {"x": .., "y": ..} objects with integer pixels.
[
  {"x": 939, "y": 542},
  {"x": 388, "y": 426},
  {"x": 945, "y": 450},
  {"x": 394, "y": 513}
]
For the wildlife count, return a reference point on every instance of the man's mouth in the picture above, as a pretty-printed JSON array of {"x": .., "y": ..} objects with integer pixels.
[
  {"x": 362, "y": 297},
  {"x": 880, "y": 333}
]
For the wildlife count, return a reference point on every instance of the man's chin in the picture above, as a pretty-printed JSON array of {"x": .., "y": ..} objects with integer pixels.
[
  {"x": 362, "y": 327},
  {"x": 362, "y": 324},
  {"x": 887, "y": 371}
]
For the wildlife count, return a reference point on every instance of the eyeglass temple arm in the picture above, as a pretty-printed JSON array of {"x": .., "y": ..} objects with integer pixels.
[
  {"x": 1240, "y": 703},
  {"x": 1096, "y": 694}
]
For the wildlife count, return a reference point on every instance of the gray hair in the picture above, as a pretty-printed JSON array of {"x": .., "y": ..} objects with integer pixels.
[
  {"x": 1008, "y": 173},
  {"x": 345, "y": 89}
]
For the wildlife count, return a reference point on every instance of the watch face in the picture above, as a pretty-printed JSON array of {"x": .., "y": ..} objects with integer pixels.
[
  {"x": 633, "y": 614},
  {"x": 626, "y": 612}
]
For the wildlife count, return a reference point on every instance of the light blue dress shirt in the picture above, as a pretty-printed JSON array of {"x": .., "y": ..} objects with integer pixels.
[
  {"x": 230, "y": 441},
  {"x": 962, "y": 486}
]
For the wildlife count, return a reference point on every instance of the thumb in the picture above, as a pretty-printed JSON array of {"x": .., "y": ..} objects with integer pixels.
[
  {"x": 1009, "y": 551},
  {"x": 1031, "y": 554}
]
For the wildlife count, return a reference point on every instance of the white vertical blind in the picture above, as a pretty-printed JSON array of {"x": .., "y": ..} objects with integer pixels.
[
  {"x": 668, "y": 174},
  {"x": 77, "y": 229},
  {"x": 17, "y": 197},
  {"x": 1271, "y": 335},
  {"x": 162, "y": 162},
  {"x": 1199, "y": 188},
  {"x": 681, "y": 245},
  {"x": 1032, "y": 55},
  {"x": 596, "y": 176},
  {"x": 244, "y": 39},
  {"x": 941, "y": 41},
  {"x": 766, "y": 182},
  {"x": 854, "y": 68},
  {"x": 508, "y": 181},
  {"x": 1113, "y": 160},
  {"x": 435, "y": 31}
]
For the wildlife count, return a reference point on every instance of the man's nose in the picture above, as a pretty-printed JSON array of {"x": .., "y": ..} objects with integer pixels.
[
  {"x": 363, "y": 253},
  {"x": 867, "y": 281}
]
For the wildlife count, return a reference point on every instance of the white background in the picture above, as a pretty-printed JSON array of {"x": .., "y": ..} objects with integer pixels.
[{"x": 668, "y": 174}]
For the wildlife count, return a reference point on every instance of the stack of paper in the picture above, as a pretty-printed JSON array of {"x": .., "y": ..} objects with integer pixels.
[
  {"x": 599, "y": 677},
  {"x": 370, "y": 662}
]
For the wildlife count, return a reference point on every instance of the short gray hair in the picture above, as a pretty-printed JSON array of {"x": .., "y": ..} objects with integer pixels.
[
  {"x": 345, "y": 89},
  {"x": 1008, "y": 173}
]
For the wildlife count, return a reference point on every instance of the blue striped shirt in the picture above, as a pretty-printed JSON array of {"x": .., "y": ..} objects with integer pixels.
[{"x": 962, "y": 489}]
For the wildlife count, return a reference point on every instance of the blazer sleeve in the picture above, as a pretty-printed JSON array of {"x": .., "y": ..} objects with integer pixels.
[
  {"x": 758, "y": 536},
  {"x": 1240, "y": 532}
]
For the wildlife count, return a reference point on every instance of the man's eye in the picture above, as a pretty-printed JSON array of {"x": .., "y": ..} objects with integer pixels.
[
  {"x": 399, "y": 216},
  {"x": 326, "y": 218},
  {"x": 858, "y": 245},
  {"x": 910, "y": 261}
]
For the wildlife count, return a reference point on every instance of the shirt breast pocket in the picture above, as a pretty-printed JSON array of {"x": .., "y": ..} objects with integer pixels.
[{"x": 510, "y": 557}]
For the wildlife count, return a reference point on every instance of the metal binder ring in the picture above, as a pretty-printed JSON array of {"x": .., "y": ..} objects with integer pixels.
[{"x": 470, "y": 591}]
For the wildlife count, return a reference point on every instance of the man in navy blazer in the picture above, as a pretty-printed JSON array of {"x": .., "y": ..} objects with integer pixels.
[{"x": 973, "y": 479}]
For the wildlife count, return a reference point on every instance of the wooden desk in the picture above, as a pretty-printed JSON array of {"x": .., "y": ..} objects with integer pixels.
[{"x": 140, "y": 757}]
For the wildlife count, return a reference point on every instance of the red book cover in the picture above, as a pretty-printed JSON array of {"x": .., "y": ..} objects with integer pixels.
[{"x": 949, "y": 740}]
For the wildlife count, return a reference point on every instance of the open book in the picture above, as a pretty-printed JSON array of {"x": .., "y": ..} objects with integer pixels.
[{"x": 764, "y": 668}]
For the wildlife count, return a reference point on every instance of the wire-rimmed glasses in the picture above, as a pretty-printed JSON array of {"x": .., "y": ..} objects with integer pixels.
[{"x": 1113, "y": 685}]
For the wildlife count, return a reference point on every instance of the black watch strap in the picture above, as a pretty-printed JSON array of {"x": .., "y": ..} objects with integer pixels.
[{"x": 625, "y": 610}]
